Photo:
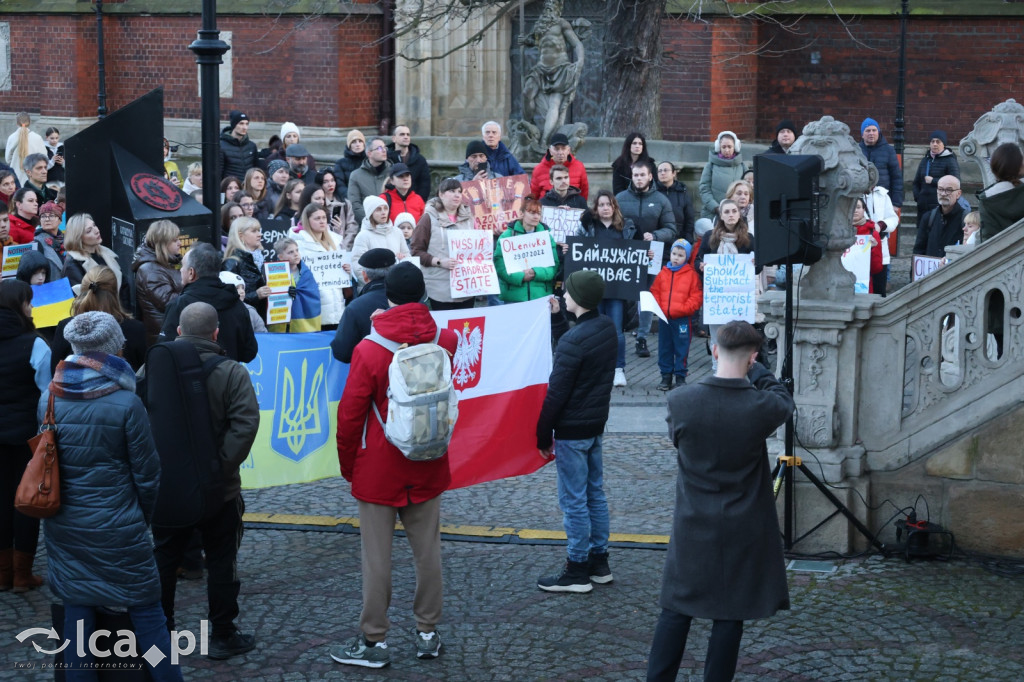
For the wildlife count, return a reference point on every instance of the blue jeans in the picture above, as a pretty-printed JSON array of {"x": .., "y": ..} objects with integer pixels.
[
  {"x": 494, "y": 299},
  {"x": 581, "y": 496},
  {"x": 150, "y": 630},
  {"x": 613, "y": 308},
  {"x": 644, "y": 325},
  {"x": 674, "y": 346}
]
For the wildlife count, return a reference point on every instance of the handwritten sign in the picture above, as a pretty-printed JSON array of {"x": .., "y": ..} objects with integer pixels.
[
  {"x": 621, "y": 263},
  {"x": 279, "y": 309},
  {"x": 922, "y": 266},
  {"x": 278, "y": 275},
  {"x": 563, "y": 222},
  {"x": 12, "y": 257},
  {"x": 271, "y": 230},
  {"x": 473, "y": 253},
  {"x": 329, "y": 268},
  {"x": 654, "y": 266},
  {"x": 496, "y": 202},
  {"x": 524, "y": 251},
  {"x": 857, "y": 259},
  {"x": 729, "y": 288}
]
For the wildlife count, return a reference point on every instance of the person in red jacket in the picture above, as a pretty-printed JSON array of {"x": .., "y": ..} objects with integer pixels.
[
  {"x": 559, "y": 152},
  {"x": 678, "y": 293},
  {"x": 868, "y": 227},
  {"x": 387, "y": 484},
  {"x": 399, "y": 194}
]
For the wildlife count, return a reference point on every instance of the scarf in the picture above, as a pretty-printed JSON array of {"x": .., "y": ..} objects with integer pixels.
[
  {"x": 727, "y": 244},
  {"x": 91, "y": 375}
]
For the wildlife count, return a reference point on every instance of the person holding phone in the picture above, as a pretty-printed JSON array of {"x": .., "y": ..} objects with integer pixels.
[
  {"x": 476, "y": 166},
  {"x": 55, "y": 152}
]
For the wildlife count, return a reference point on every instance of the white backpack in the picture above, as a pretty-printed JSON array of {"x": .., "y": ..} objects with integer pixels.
[{"x": 422, "y": 403}]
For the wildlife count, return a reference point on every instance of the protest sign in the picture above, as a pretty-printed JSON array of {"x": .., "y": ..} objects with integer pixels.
[
  {"x": 496, "y": 202},
  {"x": 279, "y": 308},
  {"x": 473, "y": 253},
  {"x": 563, "y": 222},
  {"x": 729, "y": 288},
  {"x": 278, "y": 276},
  {"x": 12, "y": 257},
  {"x": 523, "y": 251},
  {"x": 328, "y": 268},
  {"x": 621, "y": 263},
  {"x": 857, "y": 259},
  {"x": 922, "y": 266},
  {"x": 272, "y": 229},
  {"x": 654, "y": 267}
]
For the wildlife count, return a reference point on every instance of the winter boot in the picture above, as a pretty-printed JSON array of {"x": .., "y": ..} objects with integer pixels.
[
  {"x": 23, "y": 578},
  {"x": 575, "y": 577},
  {"x": 666, "y": 382},
  {"x": 6, "y": 569},
  {"x": 680, "y": 380},
  {"x": 641, "y": 348},
  {"x": 598, "y": 568}
]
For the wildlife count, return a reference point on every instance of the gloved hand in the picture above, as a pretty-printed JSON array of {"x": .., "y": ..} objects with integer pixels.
[{"x": 293, "y": 292}]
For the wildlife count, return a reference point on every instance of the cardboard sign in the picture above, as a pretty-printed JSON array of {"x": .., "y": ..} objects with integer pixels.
[
  {"x": 729, "y": 288},
  {"x": 621, "y": 263},
  {"x": 328, "y": 268},
  {"x": 279, "y": 308},
  {"x": 857, "y": 259},
  {"x": 922, "y": 266},
  {"x": 524, "y": 251},
  {"x": 497, "y": 202},
  {"x": 563, "y": 222},
  {"x": 12, "y": 257},
  {"x": 473, "y": 253}
]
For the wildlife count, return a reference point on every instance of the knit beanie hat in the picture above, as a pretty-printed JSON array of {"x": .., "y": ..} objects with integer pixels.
[
  {"x": 236, "y": 117},
  {"x": 703, "y": 226},
  {"x": 940, "y": 134},
  {"x": 785, "y": 124},
  {"x": 231, "y": 278},
  {"x": 586, "y": 288},
  {"x": 354, "y": 135},
  {"x": 404, "y": 284},
  {"x": 868, "y": 122},
  {"x": 403, "y": 218},
  {"x": 94, "y": 332},
  {"x": 372, "y": 203},
  {"x": 684, "y": 245},
  {"x": 476, "y": 147},
  {"x": 276, "y": 165},
  {"x": 289, "y": 127}
]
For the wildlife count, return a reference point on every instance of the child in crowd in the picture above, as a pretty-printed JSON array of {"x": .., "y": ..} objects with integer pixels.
[
  {"x": 406, "y": 223},
  {"x": 258, "y": 326},
  {"x": 678, "y": 293},
  {"x": 305, "y": 292}
]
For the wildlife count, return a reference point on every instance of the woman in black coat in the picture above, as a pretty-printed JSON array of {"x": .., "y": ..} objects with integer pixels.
[
  {"x": 725, "y": 557},
  {"x": 634, "y": 148},
  {"x": 677, "y": 195}
]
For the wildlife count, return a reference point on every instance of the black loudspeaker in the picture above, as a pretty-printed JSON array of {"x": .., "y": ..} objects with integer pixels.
[{"x": 786, "y": 209}]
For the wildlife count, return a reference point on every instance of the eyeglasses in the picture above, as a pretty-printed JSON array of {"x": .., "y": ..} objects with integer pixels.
[
  {"x": 49, "y": 216},
  {"x": 947, "y": 190}
]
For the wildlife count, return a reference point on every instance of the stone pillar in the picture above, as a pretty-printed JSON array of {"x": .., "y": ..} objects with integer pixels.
[
  {"x": 1002, "y": 124},
  {"x": 451, "y": 94},
  {"x": 827, "y": 344}
]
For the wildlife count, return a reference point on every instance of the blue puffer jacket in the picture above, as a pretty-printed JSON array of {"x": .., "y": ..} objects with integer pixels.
[{"x": 99, "y": 548}]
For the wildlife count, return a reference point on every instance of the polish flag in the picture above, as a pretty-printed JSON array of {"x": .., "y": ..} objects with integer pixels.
[{"x": 500, "y": 371}]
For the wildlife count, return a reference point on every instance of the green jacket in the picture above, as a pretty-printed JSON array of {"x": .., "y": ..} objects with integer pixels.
[{"x": 513, "y": 288}]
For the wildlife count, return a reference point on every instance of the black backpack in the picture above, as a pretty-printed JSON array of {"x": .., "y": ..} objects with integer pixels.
[{"x": 191, "y": 472}]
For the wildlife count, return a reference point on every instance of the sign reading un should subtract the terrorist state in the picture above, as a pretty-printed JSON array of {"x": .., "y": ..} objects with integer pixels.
[
  {"x": 621, "y": 263},
  {"x": 729, "y": 288}
]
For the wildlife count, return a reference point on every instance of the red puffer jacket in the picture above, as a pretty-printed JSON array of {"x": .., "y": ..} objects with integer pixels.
[{"x": 380, "y": 473}]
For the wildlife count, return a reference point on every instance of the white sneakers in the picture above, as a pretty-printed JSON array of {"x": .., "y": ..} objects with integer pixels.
[{"x": 620, "y": 377}]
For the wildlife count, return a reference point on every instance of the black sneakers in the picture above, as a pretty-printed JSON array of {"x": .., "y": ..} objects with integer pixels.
[
  {"x": 641, "y": 348},
  {"x": 575, "y": 577},
  {"x": 666, "y": 382},
  {"x": 597, "y": 567},
  {"x": 234, "y": 644}
]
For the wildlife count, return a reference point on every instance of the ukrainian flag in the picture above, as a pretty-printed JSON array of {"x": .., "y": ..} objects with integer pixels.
[{"x": 51, "y": 302}]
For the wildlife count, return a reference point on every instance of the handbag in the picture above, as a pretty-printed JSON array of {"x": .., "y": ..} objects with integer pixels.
[{"x": 38, "y": 493}]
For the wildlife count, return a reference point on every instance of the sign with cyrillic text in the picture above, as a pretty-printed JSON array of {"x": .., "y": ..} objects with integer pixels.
[
  {"x": 729, "y": 288},
  {"x": 621, "y": 263}
]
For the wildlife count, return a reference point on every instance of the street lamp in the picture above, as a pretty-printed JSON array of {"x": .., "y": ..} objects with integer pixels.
[
  {"x": 901, "y": 87},
  {"x": 101, "y": 110}
]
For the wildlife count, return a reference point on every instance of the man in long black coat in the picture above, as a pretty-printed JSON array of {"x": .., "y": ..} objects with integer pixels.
[
  {"x": 355, "y": 321},
  {"x": 725, "y": 558}
]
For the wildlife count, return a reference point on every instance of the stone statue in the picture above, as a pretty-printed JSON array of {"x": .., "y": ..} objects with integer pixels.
[
  {"x": 845, "y": 177},
  {"x": 1005, "y": 123},
  {"x": 549, "y": 87}
]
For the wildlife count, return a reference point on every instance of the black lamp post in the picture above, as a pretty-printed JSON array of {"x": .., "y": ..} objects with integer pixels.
[
  {"x": 101, "y": 110},
  {"x": 901, "y": 87},
  {"x": 209, "y": 50}
]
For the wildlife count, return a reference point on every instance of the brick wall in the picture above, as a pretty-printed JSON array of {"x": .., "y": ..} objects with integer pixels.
[
  {"x": 686, "y": 80},
  {"x": 317, "y": 74}
]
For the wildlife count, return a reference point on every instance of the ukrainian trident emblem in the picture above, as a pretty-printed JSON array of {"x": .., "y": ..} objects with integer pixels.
[{"x": 301, "y": 411}]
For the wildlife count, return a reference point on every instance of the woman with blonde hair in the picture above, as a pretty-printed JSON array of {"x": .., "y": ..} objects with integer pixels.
[
  {"x": 244, "y": 257},
  {"x": 99, "y": 294},
  {"x": 21, "y": 143},
  {"x": 157, "y": 280},
  {"x": 315, "y": 238},
  {"x": 84, "y": 251},
  {"x": 742, "y": 193},
  {"x": 193, "y": 179}
]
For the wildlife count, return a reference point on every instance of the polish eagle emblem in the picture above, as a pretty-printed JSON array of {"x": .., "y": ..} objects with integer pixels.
[{"x": 469, "y": 352}]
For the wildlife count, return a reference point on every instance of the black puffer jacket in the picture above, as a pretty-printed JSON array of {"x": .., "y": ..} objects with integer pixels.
[
  {"x": 926, "y": 193},
  {"x": 242, "y": 264},
  {"x": 418, "y": 167},
  {"x": 236, "y": 336},
  {"x": 236, "y": 156},
  {"x": 343, "y": 168},
  {"x": 682, "y": 208},
  {"x": 580, "y": 385},
  {"x": 572, "y": 199}
]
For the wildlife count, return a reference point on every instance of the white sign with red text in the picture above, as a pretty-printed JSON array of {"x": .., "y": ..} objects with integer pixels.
[
  {"x": 524, "y": 251},
  {"x": 473, "y": 273}
]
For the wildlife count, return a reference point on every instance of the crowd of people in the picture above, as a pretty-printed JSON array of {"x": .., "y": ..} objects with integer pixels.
[{"x": 376, "y": 204}]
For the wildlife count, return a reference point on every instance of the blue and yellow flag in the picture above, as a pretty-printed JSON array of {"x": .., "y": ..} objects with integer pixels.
[
  {"x": 51, "y": 303},
  {"x": 298, "y": 385}
]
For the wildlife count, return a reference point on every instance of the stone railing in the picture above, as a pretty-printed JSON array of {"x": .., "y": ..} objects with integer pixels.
[{"x": 942, "y": 356}]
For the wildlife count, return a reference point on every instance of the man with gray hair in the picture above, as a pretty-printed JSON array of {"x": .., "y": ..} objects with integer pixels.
[
  {"x": 234, "y": 420},
  {"x": 499, "y": 158},
  {"x": 200, "y": 275},
  {"x": 355, "y": 320},
  {"x": 34, "y": 166}
]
